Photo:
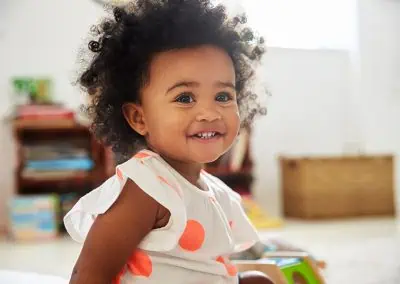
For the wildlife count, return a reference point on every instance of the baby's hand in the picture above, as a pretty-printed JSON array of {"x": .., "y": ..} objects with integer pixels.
[{"x": 254, "y": 277}]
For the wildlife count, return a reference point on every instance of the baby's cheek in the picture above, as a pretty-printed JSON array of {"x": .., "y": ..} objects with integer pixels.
[
  {"x": 233, "y": 124},
  {"x": 167, "y": 131}
]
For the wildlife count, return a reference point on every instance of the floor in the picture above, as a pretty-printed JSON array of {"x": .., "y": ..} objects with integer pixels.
[{"x": 362, "y": 251}]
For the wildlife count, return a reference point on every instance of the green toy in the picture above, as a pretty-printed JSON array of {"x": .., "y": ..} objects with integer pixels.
[
  {"x": 296, "y": 270},
  {"x": 287, "y": 268}
]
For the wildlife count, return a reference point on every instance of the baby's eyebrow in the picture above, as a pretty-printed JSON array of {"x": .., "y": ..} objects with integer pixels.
[
  {"x": 183, "y": 84},
  {"x": 225, "y": 84},
  {"x": 218, "y": 84}
]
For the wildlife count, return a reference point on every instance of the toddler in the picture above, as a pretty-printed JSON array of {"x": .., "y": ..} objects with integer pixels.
[{"x": 169, "y": 86}]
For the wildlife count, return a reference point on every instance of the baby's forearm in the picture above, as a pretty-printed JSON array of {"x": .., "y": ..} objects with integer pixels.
[
  {"x": 254, "y": 277},
  {"x": 88, "y": 279}
]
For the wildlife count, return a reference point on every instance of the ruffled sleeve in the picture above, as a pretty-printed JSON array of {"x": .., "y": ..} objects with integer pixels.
[
  {"x": 243, "y": 232},
  {"x": 151, "y": 175}
]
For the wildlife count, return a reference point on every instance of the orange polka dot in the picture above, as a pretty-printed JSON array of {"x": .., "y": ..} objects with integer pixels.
[
  {"x": 120, "y": 175},
  {"x": 140, "y": 264},
  {"x": 162, "y": 179},
  {"x": 193, "y": 237},
  {"x": 230, "y": 268},
  {"x": 231, "y": 224},
  {"x": 141, "y": 155}
]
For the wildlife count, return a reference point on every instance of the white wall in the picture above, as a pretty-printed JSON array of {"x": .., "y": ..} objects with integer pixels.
[
  {"x": 379, "y": 40},
  {"x": 379, "y": 98},
  {"x": 320, "y": 97},
  {"x": 41, "y": 38},
  {"x": 308, "y": 113}
]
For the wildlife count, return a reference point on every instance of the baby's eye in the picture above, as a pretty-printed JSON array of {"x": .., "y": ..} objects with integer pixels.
[
  {"x": 224, "y": 97},
  {"x": 185, "y": 98}
]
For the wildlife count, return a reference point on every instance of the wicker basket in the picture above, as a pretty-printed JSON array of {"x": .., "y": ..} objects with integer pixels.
[{"x": 337, "y": 187}]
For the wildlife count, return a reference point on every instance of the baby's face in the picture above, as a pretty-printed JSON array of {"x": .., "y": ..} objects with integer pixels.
[{"x": 189, "y": 106}]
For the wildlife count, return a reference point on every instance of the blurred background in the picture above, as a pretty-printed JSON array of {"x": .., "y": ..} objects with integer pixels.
[{"x": 319, "y": 170}]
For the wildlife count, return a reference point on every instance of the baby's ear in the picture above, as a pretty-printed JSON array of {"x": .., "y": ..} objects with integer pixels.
[{"x": 133, "y": 114}]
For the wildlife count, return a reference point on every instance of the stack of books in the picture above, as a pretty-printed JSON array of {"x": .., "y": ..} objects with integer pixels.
[{"x": 56, "y": 160}]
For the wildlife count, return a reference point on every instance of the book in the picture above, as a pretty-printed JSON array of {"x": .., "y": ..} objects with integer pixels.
[
  {"x": 35, "y": 112},
  {"x": 52, "y": 175},
  {"x": 239, "y": 151},
  {"x": 61, "y": 164},
  {"x": 33, "y": 217},
  {"x": 53, "y": 152}
]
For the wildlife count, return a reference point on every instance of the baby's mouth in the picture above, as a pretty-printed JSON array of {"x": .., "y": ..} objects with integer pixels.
[{"x": 207, "y": 135}]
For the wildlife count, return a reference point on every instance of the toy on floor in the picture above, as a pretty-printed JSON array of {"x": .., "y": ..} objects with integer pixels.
[
  {"x": 273, "y": 248},
  {"x": 284, "y": 263},
  {"x": 299, "y": 269},
  {"x": 257, "y": 216}
]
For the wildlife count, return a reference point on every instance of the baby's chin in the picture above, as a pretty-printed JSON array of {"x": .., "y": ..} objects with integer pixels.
[{"x": 205, "y": 158}]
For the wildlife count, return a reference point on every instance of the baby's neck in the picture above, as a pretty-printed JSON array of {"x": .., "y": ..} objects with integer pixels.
[{"x": 190, "y": 171}]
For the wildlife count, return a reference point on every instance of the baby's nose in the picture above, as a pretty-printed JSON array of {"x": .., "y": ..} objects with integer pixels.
[{"x": 208, "y": 114}]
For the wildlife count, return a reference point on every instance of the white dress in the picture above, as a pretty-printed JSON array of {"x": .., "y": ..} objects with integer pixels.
[{"x": 205, "y": 226}]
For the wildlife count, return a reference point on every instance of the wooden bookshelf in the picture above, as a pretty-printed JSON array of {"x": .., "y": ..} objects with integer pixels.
[{"x": 81, "y": 182}]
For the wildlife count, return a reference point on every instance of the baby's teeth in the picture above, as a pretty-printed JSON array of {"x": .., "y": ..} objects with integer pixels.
[{"x": 206, "y": 135}]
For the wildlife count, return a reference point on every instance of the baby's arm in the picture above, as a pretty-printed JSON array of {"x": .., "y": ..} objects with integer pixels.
[{"x": 115, "y": 235}]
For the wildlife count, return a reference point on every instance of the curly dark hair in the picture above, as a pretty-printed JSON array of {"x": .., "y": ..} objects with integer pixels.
[{"x": 126, "y": 41}]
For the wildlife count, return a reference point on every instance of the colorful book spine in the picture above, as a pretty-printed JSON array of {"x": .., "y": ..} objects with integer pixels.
[{"x": 62, "y": 164}]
